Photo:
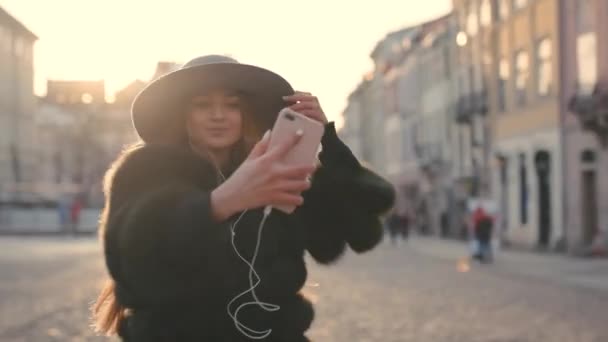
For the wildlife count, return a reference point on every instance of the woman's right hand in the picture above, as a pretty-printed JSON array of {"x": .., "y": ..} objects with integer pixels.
[{"x": 262, "y": 180}]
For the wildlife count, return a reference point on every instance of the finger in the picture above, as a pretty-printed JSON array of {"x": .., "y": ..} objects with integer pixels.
[
  {"x": 260, "y": 147},
  {"x": 300, "y": 97},
  {"x": 280, "y": 151},
  {"x": 285, "y": 198},
  {"x": 299, "y": 92},
  {"x": 296, "y": 172},
  {"x": 304, "y": 105},
  {"x": 293, "y": 186}
]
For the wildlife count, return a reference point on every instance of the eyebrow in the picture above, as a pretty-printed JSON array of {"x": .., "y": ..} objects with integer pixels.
[{"x": 233, "y": 94}]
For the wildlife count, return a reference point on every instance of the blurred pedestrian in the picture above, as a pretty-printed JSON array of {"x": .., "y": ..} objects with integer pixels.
[
  {"x": 182, "y": 223},
  {"x": 444, "y": 223},
  {"x": 422, "y": 218},
  {"x": 398, "y": 227},
  {"x": 63, "y": 211},
  {"x": 483, "y": 225},
  {"x": 75, "y": 210}
]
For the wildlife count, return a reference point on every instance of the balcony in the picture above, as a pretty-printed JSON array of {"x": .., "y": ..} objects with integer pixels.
[
  {"x": 471, "y": 104},
  {"x": 592, "y": 111}
]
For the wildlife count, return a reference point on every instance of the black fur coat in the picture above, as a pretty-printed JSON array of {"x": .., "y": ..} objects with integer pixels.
[{"x": 175, "y": 268}]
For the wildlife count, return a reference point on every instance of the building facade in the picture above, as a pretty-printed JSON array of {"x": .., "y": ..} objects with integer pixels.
[
  {"x": 542, "y": 67},
  {"x": 584, "y": 114},
  {"x": 17, "y": 105},
  {"x": 433, "y": 133},
  {"x": 398, "y": 99},
  {"x": 473, "y": 70},
  {"x": 352, "y": 132},
  {"x": 69, "y": 124},
  {"x": 524, "y": 110},
  {"x": 525, "y": 85},
  {"x": 399, "y": 118}
]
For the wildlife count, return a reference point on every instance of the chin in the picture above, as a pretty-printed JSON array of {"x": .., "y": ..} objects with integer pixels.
[{"x": 221, "y": 144}]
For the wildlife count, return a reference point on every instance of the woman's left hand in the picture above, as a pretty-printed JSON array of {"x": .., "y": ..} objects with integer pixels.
[{"x": 307, "y": 104}]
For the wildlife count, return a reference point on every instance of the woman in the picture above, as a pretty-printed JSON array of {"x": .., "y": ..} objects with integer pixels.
[{"x": 171, "y": 202}]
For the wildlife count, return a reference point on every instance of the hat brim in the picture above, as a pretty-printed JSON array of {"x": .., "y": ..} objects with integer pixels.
[{"x": 159, "y": 104}]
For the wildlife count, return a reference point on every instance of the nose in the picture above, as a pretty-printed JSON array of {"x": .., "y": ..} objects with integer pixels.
[{"x": 218, "y": 112}]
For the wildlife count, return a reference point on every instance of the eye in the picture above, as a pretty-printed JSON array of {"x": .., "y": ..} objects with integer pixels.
[
  {"x": 200, "y": 104},
  {"x": 233, "y": 104}
]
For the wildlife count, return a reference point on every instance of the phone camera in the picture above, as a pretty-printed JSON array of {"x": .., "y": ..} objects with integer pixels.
[{"x": 289, "y": 117}]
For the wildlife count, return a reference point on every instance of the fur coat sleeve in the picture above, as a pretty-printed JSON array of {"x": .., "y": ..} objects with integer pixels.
[
  {"x": 159, "y": 231},
  {"x": 344, "y": 204}
]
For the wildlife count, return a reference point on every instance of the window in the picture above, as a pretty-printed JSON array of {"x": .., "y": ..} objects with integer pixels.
[
  {"x": 586, "y": 47},
  {"x": 5, "y": 39},
  {"x": 486, "y": 56},
  {"x": 3, "y": 33},
  {"x": 472, "y": 20},
  {"x": 477, "y": 77},
  {"x": 522, "y": 69},
  {"x": 485, "y": 13},
  {"x": 503, "y": 80},
  {"x": 519, "y": 4},
  {"x": 586, "y": 53},
  {"x": 478, "y": 131},
  {"x": 392, "y": 130},
  {"x": 28, "y": 53},
  {"x": 19, "y": 47},
  {"x": 544, "y": 67},
  {"x": 86, "y": 98},
  {"x": 504, "y": 8},
  {"x": 523, "y": 190}
]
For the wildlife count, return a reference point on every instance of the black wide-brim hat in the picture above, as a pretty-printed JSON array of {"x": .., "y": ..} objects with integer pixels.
[{"x": 161, "y": 103}]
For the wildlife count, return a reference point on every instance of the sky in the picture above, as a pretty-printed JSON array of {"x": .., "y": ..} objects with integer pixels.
[{"x": 320, "y": 46}]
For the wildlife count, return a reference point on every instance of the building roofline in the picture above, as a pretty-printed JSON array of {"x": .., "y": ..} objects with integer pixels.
[
  {"x": 5, "y": 15},
  {"x": 422, "y": 26}
]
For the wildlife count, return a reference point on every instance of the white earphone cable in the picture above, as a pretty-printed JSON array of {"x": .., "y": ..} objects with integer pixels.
[{"x": 251, "y": 333}]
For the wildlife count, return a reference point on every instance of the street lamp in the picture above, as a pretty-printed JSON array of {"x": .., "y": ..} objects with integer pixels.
[{"x": 462, "y": 39}]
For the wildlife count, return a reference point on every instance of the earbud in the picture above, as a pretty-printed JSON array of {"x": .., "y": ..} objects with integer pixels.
[{"x": 267, "y": 210}]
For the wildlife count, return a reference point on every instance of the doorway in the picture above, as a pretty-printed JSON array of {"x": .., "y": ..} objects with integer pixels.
[
  {"x": 589, "y": 205},
  {"x": 542, "y": 161}
]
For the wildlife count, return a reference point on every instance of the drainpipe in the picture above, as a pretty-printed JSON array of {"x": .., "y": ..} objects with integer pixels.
[{"x": 563, "y": 67}]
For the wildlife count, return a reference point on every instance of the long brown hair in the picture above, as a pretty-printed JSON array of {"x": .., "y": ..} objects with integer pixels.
[
  {"x": 107, "y": 312},
  {"x": 251, "y": 132}
]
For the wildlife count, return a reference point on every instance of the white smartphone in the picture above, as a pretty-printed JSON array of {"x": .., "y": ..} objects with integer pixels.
[{"x": 305, "y": 151}]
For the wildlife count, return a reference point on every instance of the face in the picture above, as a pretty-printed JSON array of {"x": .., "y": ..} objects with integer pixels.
[{"x": 215, "y": 120}]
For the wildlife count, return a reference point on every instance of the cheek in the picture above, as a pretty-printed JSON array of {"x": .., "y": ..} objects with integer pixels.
[
  {"x": 196, "y": 117},
  {"x": 236, "y": 122}
]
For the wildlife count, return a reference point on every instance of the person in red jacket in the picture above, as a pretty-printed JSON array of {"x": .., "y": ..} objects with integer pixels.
[
  {"x": 75, "y": 210},
  {"x": 483, "y": 224}
]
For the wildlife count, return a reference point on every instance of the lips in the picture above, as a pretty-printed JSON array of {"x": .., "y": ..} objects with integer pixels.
[{"x": 217, "y": 130}]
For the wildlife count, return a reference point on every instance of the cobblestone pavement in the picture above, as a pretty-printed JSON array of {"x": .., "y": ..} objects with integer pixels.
[{"x": 390, "y": 294}]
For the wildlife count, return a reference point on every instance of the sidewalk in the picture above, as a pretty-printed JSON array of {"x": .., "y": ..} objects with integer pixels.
[
  {"x": 44, "y": 221},
  {"x": 566, "y": 270}
]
